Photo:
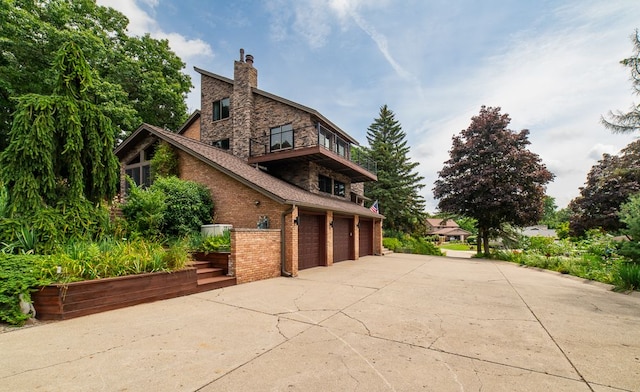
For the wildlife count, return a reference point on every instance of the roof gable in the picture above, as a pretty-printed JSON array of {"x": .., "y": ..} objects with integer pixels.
[
  {"x": 195, "y": 116},
  {"x": 285, "y": 101},
  {"x": 437, "y": 222}
]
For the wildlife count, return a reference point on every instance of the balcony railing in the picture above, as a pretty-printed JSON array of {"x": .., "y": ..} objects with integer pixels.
[{"x": 295, "y": 139}]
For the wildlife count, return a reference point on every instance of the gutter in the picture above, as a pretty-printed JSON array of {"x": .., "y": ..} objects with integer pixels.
[{"x": 283, "y": 245}]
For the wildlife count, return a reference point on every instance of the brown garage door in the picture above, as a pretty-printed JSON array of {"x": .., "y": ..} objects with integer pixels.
[
  {"x": 342, "y": 239},
  {"x": 311, "y": 241},
  {"x": 366, "y": 237}
]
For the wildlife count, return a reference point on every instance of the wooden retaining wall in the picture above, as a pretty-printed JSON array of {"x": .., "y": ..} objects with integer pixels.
[{"x": 65, "y": 301}]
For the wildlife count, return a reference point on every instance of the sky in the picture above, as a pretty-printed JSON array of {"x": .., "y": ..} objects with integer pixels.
[{"x": 553, "y": 66}]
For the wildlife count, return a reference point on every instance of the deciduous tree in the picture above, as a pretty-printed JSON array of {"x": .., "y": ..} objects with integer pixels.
[
  {"x": 609, "y": 184},
  {"x": 398, "y": 183},
  {"x": 140, "y": 80},
  {"x": 492, "y": 177}
]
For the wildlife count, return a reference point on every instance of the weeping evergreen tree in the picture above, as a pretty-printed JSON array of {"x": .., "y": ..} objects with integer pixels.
[
  {"x": 398, "y": 184},
  {"x": 60, "y": 145}
]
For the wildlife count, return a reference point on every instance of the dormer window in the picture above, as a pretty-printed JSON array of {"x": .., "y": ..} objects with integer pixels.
[
  {"x": 282, "y": 137},
  {"x": 220, "y": 109}
]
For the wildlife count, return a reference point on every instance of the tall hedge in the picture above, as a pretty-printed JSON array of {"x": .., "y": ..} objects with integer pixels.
[{"x": 171, "y": 207}]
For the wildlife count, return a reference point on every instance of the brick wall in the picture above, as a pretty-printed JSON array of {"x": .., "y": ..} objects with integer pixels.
[
  {"x": 291, "y": 244},
  {"x": 234, "y": 203},
  {"x": 255, "y": 254},
  {"x": 193, "y": 131}
]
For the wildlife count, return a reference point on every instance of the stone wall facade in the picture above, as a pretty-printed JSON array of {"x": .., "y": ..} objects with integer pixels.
[
  {"x": 211, "y": 91},
  {"x": 251, "y": 117}
]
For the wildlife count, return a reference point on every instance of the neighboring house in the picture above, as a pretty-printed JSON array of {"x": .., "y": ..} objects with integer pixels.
[
  {"x": 273, "y": 163},
  {"x": 539, "y": 231},
  {"x": 446, "y": 229}
]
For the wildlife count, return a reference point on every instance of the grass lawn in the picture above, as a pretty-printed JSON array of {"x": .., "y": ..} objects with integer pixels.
[{"x": 456, "y": 247}]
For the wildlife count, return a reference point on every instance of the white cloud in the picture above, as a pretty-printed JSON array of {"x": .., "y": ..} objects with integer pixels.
[
  {"x": 189, "y": 50},
  {"x": 140, "y": 23}
]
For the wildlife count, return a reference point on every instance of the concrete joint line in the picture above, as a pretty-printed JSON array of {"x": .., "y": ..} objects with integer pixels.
[{"x": 545, "y": 329}]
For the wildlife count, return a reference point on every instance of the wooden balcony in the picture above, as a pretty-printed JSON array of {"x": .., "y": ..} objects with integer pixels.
[{"x": 322, "y": 147}]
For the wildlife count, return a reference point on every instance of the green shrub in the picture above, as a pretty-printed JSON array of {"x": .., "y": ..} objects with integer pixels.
[
  {"x": 628, "y": 276},
  {"x": 170, "y": 207},
  {"x": 176, "y": 256},
  {"x": 539, "y": 244},
  {"x": 424, "y": 247},
  {"x": 19, "y": 274},
  {"x": 408, "y": 244},
  {"x": 109, "y": 258},
  {"x": 391, "y": 243},
  {"x": 144, "y": 211},
  {"x": 45, "y": 230},
  {"x": 219, "y": 243},
  {"x": 188, "y": 205}
]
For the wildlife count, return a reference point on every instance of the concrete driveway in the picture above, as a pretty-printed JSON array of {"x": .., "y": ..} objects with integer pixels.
[{"x": 391, "y": 323}]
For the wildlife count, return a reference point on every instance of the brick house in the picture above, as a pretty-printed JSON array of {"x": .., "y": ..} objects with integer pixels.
[
  {"x": 273, "y": 163},
  {"x": 446, "y": 229}
]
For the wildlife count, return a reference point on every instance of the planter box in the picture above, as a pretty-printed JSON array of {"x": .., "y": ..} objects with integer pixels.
[{"x": 65, "y": 301}]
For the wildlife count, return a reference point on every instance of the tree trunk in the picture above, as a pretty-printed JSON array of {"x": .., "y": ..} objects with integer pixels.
[
  {"x": 479, "y": 242},
  {"x": 485, "y": 242}
]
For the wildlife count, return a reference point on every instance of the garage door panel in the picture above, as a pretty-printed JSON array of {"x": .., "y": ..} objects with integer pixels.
[
  {"x": 342, "y": 239},
  {"x": 366, "y": 238},
  {"x": 311, "y": 241}
]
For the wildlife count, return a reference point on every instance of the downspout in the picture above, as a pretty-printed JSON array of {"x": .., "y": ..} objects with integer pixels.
[{"x": 283, "y": 245}]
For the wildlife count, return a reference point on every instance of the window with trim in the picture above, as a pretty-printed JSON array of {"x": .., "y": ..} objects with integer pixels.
[
  {"x": 324, "y": 184},
  {"x": 220, "y": 109},
  {"x": 338, "y": 188},
  {"x": 222, "y": 143},
  {"x": 139, "y": 167},
  {"x": 281, "y": 137}
]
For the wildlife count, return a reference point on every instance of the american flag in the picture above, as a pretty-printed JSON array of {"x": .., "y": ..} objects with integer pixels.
[{"x": 374, "y": 207}]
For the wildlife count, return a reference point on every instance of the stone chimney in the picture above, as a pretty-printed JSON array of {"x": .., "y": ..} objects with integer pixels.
[{"x": 245, "y": 79}]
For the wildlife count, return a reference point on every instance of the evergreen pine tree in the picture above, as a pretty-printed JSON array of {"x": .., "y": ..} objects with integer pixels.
[{"x": 398, "y": 184}]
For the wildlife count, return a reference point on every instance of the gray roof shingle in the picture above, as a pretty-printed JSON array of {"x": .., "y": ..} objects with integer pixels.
[{"x": 270, "y": 186}]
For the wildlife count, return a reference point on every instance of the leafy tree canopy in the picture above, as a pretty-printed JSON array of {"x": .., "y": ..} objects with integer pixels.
[
  {"x": 621, "y": 122},
  {"x": 398, "y": 184},
  {"x": 609, "y": 184},
  {"x": 140, "y": 78},
  {"x": 60, "y": 145},
  {"x": 492, "y": 177}
]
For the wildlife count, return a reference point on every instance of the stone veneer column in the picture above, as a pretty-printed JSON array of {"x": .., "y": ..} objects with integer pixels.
[{"x": 245, "y": 78}]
